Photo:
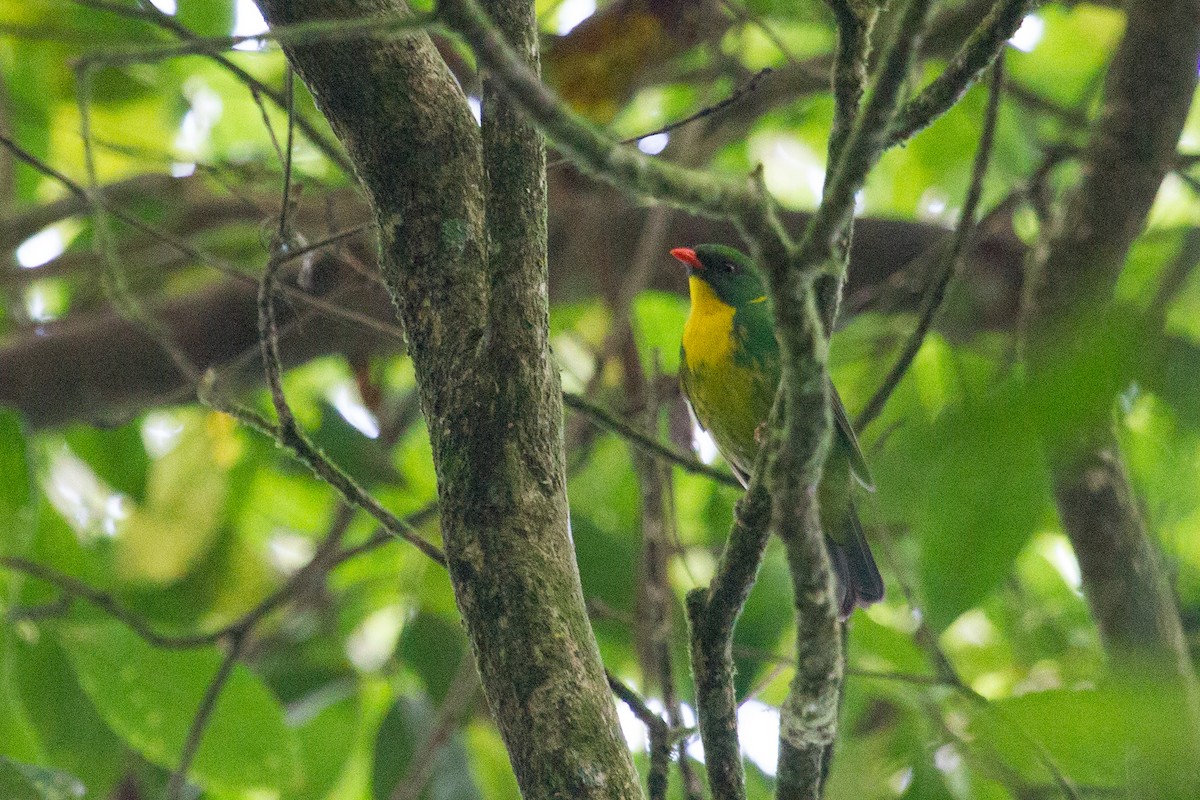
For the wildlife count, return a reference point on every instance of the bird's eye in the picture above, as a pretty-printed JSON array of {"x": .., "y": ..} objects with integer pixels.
[{"x": 729, "y": 267}]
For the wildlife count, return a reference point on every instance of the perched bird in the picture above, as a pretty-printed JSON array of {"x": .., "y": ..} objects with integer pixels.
[{"x": 729, "y": 370}]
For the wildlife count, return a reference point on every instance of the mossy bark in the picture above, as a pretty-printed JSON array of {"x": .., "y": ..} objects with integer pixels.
[{"x": 463, "y": 236}]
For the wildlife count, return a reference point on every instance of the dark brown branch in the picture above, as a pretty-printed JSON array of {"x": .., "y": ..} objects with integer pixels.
[
  {"x": 1147, "y": 94},
  {"x": 657, "y": 731}
]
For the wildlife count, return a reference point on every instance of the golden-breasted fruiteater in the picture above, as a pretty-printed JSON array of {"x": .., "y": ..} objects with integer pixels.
[{"x": 729, "y": 370}]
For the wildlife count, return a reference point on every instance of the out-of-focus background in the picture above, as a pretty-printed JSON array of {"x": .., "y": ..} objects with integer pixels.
[{"x": 136, "y": 219}]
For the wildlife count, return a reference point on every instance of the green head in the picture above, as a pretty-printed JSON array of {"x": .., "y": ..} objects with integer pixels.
[{"x": 730, "y": 274}]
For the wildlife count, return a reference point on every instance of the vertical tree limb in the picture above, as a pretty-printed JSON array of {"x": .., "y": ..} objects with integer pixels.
[
  {"x": 1146, "y": 98},
  {"x": 477, "y": 328},
  {"x": 808, "y": 717}
]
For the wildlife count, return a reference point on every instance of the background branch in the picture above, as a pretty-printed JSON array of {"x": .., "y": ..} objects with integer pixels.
[{"x": 1147, "y": 94}]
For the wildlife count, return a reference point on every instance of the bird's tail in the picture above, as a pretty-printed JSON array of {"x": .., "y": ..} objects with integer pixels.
[{"x": 859, "y": 582}]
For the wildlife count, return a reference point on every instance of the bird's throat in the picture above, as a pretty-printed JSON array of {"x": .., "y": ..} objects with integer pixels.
[{"x": 707, "y": 334}]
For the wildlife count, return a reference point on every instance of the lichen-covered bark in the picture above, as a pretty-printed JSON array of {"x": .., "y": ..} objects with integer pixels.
[
  {"x": 564, "y": 729},
  {"x": 1147, "y": 94},
  {"x": 462, "y": 222}
]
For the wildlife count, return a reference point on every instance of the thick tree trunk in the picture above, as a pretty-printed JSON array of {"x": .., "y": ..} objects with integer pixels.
[
  {"x": 1147, "y": 95},
  {"x": 462, "y": 222}
]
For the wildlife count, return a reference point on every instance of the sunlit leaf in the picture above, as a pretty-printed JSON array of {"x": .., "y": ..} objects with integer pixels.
[{"x": 149, "y": 696}]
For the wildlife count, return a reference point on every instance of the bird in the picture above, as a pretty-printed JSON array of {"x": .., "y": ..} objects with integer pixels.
[{"x": 729, "y": 372}]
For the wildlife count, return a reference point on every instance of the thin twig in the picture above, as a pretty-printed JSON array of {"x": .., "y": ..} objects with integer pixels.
[
  {"x": 644, "y": 441},
  {"x": 268, "y": 326},
  {"x": 107, "y": 603},
  {"x": 854, "y": 23},
  {"x": 944, "y": 669},
  {"x": 151, "y": 14},
  {"x": 702, "y": 192},
  {"x": 123, "y": 301},
  {"x": 460, "y": 699},
  {"x": 951, "y": 263},
  {"x": 312, "y": 457},
  {"x": 739, "y": 92},
  {"x": 657, "y": 731},
  {"x": 201, "y": 256},
  {"x": 747, "y": 17},
  {"x": 655, "y": 600},
  {"x": 383, "y": 26},
  {"x": 327, "y": 558},
  {"x": 736, "y": 96},
  {"x": 208, "y": 704},
  {"x": 1175, "y": 276},
  {"x": 287, "y": 432}
]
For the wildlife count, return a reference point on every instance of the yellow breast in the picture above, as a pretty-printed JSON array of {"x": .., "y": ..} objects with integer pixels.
[
  {"x": 707, "y": 335},
  {"x": 723, "y": 393}
]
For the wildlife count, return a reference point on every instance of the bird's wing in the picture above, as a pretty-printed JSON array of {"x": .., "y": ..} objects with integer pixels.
[{"x": 845, "y": 429}]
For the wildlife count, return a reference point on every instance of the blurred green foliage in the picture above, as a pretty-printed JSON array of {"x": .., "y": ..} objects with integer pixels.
[{"x": 188, "y": 521}]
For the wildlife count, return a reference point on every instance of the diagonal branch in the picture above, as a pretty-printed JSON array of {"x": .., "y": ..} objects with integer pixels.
[
  {"x": 966, "y": 67},
  {"x": 700, "y": 192}
]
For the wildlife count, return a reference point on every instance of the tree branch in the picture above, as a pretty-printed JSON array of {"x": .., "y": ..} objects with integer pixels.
[
  {"x": 208, "y": 704},
  {"x": 646, "y": 442},
  {"x": 1147, "y": 94},
  {"x": 966, "y": 67},
  {"x": 808, "y": 717},
  {"x": 489, "y": 392},
  {"x": 703, "y": 193}
]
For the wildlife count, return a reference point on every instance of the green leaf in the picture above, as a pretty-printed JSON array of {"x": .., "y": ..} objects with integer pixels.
[
  {"x": 116, "y": 455},
  {"x": 16, "y": 485},
  {"x": 72, "y": 735},
  {"x": 149, "y": 697},
  {"x": 401, "y": 736},
  {"x": 983, "y": 503},
  {"x": 433, "y": 646},
  {"x": 1117, "y": 735},
  {"x": 490, "y": 760},
  {"x": 767, "y": 616},
  {"x": 658, "y": 319},
  {"x": 974, "y": 487},
  {"x": 206, "y": 17},
  {"x": 17, "y": 737},
  {"x": 327, "y": 736},
  {"x": 27, "y": 782}
]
